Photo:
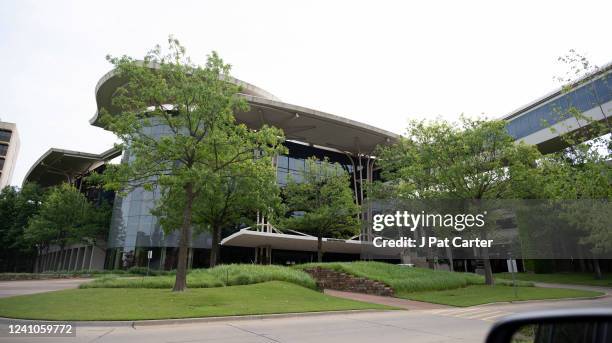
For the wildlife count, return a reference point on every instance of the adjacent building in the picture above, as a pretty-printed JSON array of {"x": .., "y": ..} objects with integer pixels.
[{"x": 9, "y": 149}]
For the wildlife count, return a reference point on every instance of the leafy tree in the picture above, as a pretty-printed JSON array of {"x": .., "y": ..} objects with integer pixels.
[
  {"x": 322, "y": 204},
  {"x": 203, "y": 144},
  {"x": 65, "y": 217},
  {"x": 472, "y": 160},
  {"x": 17, "y": 206},
  {"x": 582, "y": 172}
]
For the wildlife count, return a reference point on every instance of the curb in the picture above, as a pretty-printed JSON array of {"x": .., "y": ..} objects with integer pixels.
[{"x": 156, "y": 322}]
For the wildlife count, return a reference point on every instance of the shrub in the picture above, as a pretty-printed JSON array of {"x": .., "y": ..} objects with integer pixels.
[
  {"x": 224, "y": 275},
  {"x": 243, "y": 274}
]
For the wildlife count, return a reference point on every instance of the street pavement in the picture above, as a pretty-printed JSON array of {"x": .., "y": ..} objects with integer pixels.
[
  {"x": 21, "y": 287},
  {"x": 420, "y": 325}
]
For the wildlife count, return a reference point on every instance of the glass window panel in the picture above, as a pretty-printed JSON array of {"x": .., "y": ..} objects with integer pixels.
[
  {"x": 282, "y": 161},
  {"x": 5, "y": 135}
]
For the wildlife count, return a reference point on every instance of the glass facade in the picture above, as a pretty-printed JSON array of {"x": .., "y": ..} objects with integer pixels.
[
  {"x": 3, "y": 149},
  {"x": 293, "y": 164},
  {"x": 588, "y": 96},
  {"x": 134, "y": 230}
]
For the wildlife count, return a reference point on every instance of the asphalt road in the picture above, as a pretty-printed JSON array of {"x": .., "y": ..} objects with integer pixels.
[{"x": 428, "y": 325}]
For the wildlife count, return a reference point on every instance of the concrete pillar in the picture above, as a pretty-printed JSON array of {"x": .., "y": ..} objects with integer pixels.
[
  {"x": 91, "y": 256},
  {"x": 84, "y": 257},
  {"x": 67, "y": 259},
  {"x": 44, "y": 265},
  {"x": 71, "y": 263},
  {"x": 47, "y": 260},
  {"x": 62, "y": 260}
]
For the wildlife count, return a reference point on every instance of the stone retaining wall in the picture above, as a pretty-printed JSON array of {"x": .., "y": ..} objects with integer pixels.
[{"x": 331, "y": 279}]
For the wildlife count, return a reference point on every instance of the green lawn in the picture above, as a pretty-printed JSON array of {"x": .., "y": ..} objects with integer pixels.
[
  {"x": 566, "y": 278},
  {"x": 482, "y": 294},
  {"x": 405, "y": 279},
  {"x": 139, "y": 304}
]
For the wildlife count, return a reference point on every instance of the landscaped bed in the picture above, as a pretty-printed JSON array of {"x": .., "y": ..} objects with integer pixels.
[
  {"x": 405, "y": 279},
  {"x": 449, "y": 288},
  {"x": 139, "y": 304},
  {"x": 224, "y": 275}
]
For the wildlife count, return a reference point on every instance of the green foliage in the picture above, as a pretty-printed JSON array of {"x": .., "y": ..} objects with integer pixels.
[
  {"x": 582, "y": 171},
  {"x": 223, "y": 275},
  {"x": 241, "y": 274},
  {"x": 210, "y": 169},
  {"x": 472, "y": 159},
  {"x": 65, "y": 217},
  {"x": 17, "y": 206},
  {"x": 322, "y": 204}
]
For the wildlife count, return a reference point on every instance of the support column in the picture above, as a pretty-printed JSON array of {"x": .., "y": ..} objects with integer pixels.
[
  {"x": 84, "y": 257},
  {"x": 91, "y": 256}
]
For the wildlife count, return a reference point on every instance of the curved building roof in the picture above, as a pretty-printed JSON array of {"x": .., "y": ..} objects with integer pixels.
[
  {"x": 299, "y": 123},
  {"x": 57, "y": 165}
]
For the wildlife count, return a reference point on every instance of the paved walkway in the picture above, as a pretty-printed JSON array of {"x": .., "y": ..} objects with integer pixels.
[
  {"x": 390, "y": 301},
  {"x": 21, "y": 287}
]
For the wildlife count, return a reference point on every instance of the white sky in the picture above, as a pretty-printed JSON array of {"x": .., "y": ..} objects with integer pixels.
[{"x": 378, "y": 62}]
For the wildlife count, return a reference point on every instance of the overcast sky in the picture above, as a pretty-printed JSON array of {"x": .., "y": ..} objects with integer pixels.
[{"x": 376, "y": 62}]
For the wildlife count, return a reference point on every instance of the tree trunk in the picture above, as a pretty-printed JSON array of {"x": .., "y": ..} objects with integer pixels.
[
  {"x": 489, "y": 280},
  {"x": 598, "y": 274},
  {"x": 451, "y": 261},
  {"x": 319, "y": 249},
  {"x": 214, "y": 248},
  {"x": 180, "y": 283}
]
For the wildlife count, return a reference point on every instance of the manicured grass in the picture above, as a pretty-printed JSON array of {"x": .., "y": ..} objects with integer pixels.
[
  {"x": 199, "y": 280},
  {"x": 566, "y": 278},
  {"x": 224, "y": 275},
  {"x": 244, "y": 274},
  {"x": 139, "y": 304},
  {"x": 405, "y": 279},
  {"x": 482, "y": 294}
]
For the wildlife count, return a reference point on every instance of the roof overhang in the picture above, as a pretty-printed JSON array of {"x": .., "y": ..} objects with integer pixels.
[
  {"x": 57, "y": 165},
  {"x": 299, "y": 123},
  {"x": 282, "y": 241}
]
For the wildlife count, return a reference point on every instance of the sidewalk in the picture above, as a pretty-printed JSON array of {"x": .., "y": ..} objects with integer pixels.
[
  {"x": 389, "y": 301},
  {"x": 22, "y": 287}
]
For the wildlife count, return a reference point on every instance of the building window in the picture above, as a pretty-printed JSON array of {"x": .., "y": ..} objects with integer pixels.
[
  {"x": 1, "y": 163},
  {"x": 5, "y": 135},
  {"x": 3, "y": 149}
]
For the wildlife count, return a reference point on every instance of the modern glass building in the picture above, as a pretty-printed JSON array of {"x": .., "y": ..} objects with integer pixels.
[{"x": 134, "y": 231}]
